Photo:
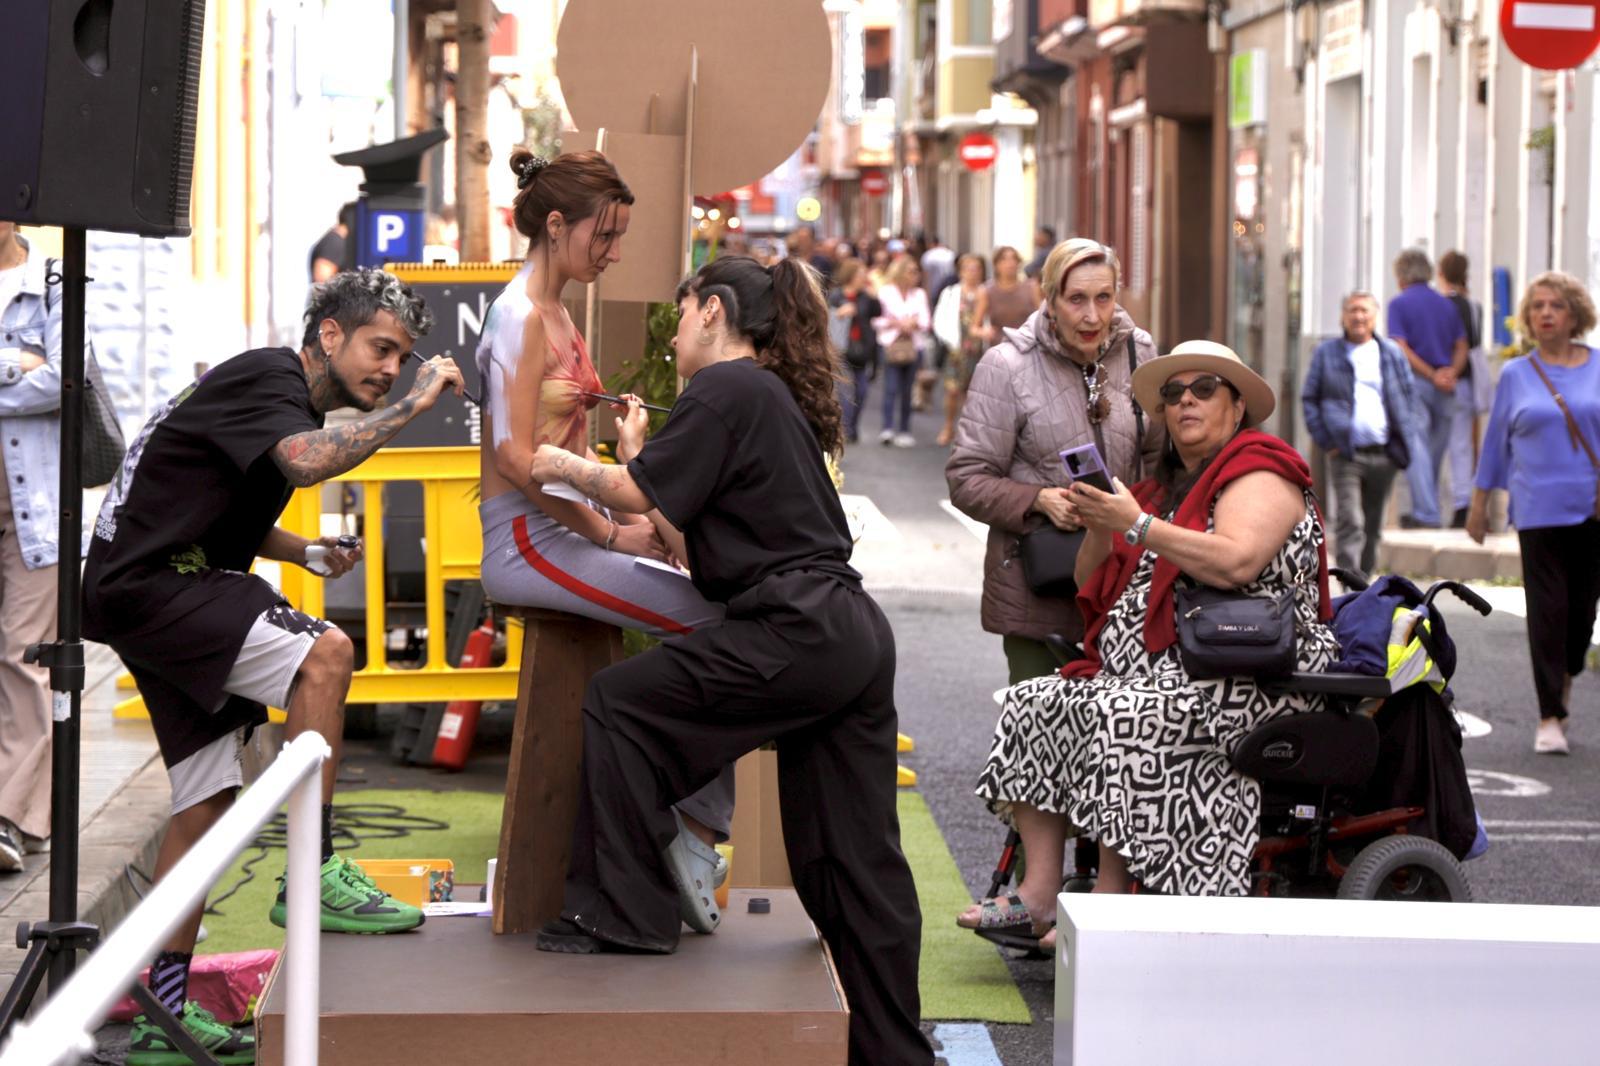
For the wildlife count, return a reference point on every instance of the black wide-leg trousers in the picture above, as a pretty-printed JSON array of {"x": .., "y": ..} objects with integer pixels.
[
  {"x": 807, "y": 661},
  {"x": 1561, "y": 575}
]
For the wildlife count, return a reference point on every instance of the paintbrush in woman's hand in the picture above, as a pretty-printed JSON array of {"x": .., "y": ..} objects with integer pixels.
[{"x": 620, "y": 402}]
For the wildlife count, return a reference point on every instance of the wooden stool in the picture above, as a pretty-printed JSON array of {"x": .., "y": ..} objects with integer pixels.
[{"x": 560, "y": 653}]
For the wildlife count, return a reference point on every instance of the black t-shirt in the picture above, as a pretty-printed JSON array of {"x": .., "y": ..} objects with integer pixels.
[
  {"x": 738, "y": 470},
  {"x": 1471, "y": 322},
  {"x": 331, "y": 247},
  {"x": 167, "y": 582}
]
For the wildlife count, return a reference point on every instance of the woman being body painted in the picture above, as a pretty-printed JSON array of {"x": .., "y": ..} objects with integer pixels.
[{"x": 554, "y": 549}]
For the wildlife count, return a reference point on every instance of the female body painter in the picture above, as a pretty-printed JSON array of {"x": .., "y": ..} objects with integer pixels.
[{"x": 555, "y": 549}]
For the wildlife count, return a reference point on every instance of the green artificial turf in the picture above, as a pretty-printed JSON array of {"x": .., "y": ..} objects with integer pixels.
[
  {"x": 472, "y": 839},
  {"x": 963, "y": 976}
]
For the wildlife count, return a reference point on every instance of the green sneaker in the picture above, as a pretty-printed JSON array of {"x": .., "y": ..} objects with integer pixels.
[
  {"x": 150, "y": 1046},
  {"x": 352, "y": 903}
]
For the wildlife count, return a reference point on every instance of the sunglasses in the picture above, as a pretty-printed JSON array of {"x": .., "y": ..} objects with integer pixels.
[{"x": 1203, "y": 388}]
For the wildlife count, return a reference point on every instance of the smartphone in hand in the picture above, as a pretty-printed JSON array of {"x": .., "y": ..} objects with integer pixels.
[{"x": 1084, "y": 464}]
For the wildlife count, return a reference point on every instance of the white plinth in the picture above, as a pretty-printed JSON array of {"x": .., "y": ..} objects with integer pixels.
[{"x": 1165, "y": 980}]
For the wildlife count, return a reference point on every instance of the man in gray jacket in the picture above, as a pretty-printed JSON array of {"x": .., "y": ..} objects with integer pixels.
[
  {"x": 30, "y": 465},
  {"x": 1359, "y": 406}
]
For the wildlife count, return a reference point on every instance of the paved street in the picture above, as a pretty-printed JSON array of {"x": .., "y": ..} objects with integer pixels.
[{"x": 924, "y": 565}]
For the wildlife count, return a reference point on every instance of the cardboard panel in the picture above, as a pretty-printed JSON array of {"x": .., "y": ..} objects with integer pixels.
[
  {"x": 763, "y": 76},
  {"x": 759, "y": 857},
  {"x": 652, "y": 249}
]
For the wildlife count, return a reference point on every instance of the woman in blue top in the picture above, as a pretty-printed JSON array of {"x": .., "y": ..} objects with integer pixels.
[{"x": 1533, "y": 449}]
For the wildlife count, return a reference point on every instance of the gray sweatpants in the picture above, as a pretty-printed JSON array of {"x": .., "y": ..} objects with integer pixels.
[{"x": 531, "y": 560}]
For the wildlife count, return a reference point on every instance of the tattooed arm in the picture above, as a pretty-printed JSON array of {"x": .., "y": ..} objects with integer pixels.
[
  {"x": 316, "y": 455},
  {"x": 610, "y": 485}
]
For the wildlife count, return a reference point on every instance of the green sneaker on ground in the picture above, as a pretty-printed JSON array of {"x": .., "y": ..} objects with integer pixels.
[
  {"x": 150, "y": 1046},
  {"x": 352, "y": 903}
]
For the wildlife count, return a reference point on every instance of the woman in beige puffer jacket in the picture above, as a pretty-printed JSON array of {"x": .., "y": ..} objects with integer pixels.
[{"x": 1029, "y": 400}]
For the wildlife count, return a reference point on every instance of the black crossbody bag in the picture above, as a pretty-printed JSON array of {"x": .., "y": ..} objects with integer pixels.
[
  {"x": 1229, "y": 634},
  {"x": 1049, "y": 554}
]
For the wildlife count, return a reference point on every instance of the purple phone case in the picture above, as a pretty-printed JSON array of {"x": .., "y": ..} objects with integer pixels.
[{"x": 1084, "y": 464}]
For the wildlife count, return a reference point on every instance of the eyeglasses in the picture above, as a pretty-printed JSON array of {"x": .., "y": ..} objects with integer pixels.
[{"x": 1203, "y": 388}]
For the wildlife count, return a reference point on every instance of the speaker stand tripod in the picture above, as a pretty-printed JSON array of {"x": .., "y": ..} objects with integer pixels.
[{"x": 53, "y": 945}]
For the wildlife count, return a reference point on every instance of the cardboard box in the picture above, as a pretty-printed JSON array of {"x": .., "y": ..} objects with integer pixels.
[{"x": 413, "y": 881}]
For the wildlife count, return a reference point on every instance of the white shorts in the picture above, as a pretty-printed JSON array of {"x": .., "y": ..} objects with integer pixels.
[{"x": 265, "y": 672}]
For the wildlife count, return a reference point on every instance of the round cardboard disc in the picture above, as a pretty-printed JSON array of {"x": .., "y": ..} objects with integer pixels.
[{"x": 763, "y": 76}]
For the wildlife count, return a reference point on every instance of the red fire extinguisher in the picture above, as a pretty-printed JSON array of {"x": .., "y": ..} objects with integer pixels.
[{"x": 460, "y": 722}]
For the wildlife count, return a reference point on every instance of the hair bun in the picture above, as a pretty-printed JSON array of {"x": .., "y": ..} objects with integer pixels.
[{"x": 530, "y": 170}]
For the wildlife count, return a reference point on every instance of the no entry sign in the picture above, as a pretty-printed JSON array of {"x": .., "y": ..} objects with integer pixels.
[
  {"x": 873, "y": 182},
  {"x": 1550, "y": 34},
  {"x": 978, "y": 151}
]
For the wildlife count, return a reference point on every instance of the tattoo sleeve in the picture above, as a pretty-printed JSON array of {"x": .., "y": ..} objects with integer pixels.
[
  {"x": 316, "y": 455},
  {"x": 610, "y": 485}
]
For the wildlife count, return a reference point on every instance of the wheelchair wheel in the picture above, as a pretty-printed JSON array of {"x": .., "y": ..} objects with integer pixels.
[{"x": 1403, "y": 867}]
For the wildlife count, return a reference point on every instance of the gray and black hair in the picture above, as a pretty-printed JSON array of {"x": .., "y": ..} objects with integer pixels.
[
  {"x": 1412, "y": 267},
  {"x": 1358, "y": 294},
  {"x": 353, "y": 298}
]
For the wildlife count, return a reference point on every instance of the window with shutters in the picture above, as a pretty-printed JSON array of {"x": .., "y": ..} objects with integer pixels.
[{"x": 1138, "y": 251}]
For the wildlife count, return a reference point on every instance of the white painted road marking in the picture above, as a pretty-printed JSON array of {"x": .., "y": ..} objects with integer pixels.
[
  {"x": 1522, "y": 824},
  {"x": 1472, "y": 725},
  {"x": 973, "y": 526},
  {"x": 1578, "y": 17},
  {"x": 967, "y": 1044},
  {"x": 867, "y": 523},
  {"x": 1495, "y": 783}
]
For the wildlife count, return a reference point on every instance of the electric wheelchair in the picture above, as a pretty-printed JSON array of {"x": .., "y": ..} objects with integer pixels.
[{"x": 1329, "y": 826}]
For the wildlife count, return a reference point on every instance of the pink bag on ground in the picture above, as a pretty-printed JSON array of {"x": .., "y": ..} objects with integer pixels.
[{"x": 226, "y": 985}]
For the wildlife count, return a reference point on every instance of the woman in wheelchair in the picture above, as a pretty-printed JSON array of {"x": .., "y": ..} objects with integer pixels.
[{"x": 1126, "y": 746}]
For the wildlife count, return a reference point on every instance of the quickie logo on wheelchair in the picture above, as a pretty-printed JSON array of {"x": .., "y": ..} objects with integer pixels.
[{"x": 1286, "y": 750}]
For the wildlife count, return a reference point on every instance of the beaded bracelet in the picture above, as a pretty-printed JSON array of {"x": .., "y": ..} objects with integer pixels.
[{"x": 1136, "y": 533}]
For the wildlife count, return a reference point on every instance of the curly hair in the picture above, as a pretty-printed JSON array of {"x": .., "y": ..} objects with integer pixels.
[
  {"x": 353, "y": 298},
  {"x": 1572, "y": 293},
  {"x": 781, "y": 311}
]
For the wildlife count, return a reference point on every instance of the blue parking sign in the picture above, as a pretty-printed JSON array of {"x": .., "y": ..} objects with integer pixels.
[{"x": 388, "y": 235}]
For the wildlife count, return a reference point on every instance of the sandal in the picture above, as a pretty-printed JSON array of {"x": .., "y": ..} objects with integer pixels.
[{"x": 1007, "y": 921}]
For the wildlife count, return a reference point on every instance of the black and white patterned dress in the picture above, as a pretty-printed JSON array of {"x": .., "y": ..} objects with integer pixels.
[{"x": 1138, "y": 756}]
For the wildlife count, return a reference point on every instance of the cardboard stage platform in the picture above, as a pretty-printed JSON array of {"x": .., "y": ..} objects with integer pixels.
[{"x": 762, "y": 989}]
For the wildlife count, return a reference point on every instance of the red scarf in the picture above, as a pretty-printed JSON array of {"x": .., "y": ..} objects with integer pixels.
[{"x": 1246, "y": 453}]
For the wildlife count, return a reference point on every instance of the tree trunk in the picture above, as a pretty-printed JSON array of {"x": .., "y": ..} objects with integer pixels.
[{"x": 472, "y": 119}]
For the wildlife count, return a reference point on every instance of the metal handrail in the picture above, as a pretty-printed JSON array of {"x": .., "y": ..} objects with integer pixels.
[{"x": 64, "y": 1028}]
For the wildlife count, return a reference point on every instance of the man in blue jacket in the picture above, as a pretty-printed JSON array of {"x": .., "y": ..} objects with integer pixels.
[{"x": 1358, "y": 399}]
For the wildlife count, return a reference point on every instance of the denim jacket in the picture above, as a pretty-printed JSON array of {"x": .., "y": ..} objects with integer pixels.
[
  {"x": 30, "y": 416},
  {"x": 1328, "y": 397}
]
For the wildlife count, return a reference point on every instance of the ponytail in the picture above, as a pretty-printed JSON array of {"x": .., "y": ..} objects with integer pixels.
[
  {"x": 801, "y": 353},
  {"x": 782, "y": 313}
]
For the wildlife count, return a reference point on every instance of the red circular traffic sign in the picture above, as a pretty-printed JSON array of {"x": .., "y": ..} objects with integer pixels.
[
  {"x": 1550, "y": 34},
  {"x": 978, "y": 151},
  {"x": 874, "y": 183}
]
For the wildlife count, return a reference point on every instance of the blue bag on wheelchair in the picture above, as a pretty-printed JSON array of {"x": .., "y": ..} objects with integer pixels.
[{"x": 1386, "y": 630}]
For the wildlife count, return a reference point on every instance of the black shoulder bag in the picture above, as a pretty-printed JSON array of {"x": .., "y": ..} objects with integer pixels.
[
  {"x": 103, "y": 445},
  {"x": 1229, "y": 634},
  {"x": 1049, "y": 554}
]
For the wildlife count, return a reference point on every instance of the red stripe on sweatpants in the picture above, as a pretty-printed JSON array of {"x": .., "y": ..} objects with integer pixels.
[{"x": 519, "y": 527}]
